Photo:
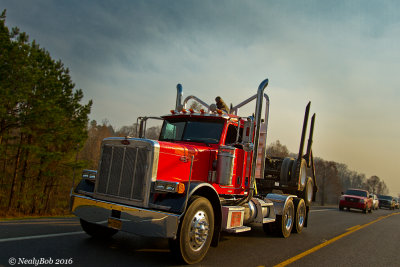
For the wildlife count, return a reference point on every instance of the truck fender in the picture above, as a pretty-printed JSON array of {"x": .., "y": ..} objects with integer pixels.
[
  {"x": 279, "y": 201},
  {"x": 209, "y": 192}
]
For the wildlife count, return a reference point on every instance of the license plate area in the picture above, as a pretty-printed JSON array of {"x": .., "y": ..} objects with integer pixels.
[{"x": 114, "y": 223}]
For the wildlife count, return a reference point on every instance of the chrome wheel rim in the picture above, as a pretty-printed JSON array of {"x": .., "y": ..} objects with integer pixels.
[
  {"x": 303, "y": 176},
  {"x": 302, "y": 215},
  {"x": 288, "y": 219},
  {"x": 309, "y": 192},
  {"x": 199, "y": 227}
]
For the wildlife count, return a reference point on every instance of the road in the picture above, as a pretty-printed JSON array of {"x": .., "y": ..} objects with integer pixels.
[{"x": 333, "y": 238}]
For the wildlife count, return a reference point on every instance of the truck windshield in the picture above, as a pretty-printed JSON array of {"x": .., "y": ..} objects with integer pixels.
[
  {"x": 194, "y": 131},
  {"x": 385, "y": 197},
  {"x": 356, "y": 193}
]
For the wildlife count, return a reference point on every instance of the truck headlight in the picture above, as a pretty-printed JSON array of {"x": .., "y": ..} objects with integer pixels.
[{"x": 171, "y": 187}]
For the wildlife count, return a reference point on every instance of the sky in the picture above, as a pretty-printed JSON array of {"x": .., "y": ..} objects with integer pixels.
[{"x": 343, "y": 56}]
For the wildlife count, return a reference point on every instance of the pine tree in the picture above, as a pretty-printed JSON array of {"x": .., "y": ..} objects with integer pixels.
[{"x": 41, "y": 124}]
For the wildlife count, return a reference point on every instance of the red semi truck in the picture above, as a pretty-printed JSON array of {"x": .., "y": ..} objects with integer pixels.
[{"x": 208, "y": 172}]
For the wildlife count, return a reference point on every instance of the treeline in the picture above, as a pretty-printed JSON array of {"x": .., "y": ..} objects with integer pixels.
[
  {"x": 334, "y": 178},
  {"x": 41, "y": 124},
  {"x": 90, "y": 152}
]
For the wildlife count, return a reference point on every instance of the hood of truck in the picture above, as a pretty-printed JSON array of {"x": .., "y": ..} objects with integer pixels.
[{"x": 175, "y": 161}]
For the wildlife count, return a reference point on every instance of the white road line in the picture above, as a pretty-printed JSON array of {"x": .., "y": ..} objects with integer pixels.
[
  {"x": 322, "y": 210},
  {"x": 39, "y": 236}
]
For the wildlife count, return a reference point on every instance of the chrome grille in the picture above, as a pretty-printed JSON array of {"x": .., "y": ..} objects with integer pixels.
[{"x": 123, "y": 171}]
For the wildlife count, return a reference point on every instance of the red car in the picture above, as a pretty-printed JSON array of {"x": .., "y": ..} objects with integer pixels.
[{"x": 356, "y": 199}]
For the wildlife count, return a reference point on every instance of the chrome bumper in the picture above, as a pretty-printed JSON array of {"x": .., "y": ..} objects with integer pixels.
[{"x": 134, "y": 220}]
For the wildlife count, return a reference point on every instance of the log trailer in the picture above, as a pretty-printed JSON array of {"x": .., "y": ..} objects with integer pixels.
[{"x": 208, "y": 172}]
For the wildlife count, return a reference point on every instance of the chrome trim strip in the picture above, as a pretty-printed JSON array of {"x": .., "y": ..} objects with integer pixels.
[
  {"x": 134, "y": 173},
  {"x": 121, "y": 172}
]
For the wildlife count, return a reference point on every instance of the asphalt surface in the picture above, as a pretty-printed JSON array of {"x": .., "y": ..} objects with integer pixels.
[{"x": 332, "y": 238}]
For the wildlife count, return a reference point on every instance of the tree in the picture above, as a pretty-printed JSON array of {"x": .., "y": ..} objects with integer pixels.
[
  {"x": 91, "y": 150},
  {"x": 372, "y": 184},
  {"x": 276, "y": 149},
  {"x": 196, "y": 106},
  {"x": 41, "y": 123},
  {"x": 328, "y": 180}
]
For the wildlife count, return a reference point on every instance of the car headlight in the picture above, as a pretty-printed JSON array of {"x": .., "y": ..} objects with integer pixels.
[{"x": 89, "y": 175}]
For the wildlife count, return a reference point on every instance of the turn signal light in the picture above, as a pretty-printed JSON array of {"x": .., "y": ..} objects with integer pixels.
[{"x": 181, "y": 188}]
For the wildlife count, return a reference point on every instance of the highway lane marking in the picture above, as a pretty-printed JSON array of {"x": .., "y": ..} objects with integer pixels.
[
  {"x": 330, "y": 241},
  {"x": 322, "y": 210},
  {"x": 352, "y": 228},
  {"x": 39, "y": 236}
]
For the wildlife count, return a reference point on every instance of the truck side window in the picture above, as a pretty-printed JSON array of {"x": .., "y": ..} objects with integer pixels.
[
  {"x": 173, "y": 131},
  {"x": 231, "y": 134}
]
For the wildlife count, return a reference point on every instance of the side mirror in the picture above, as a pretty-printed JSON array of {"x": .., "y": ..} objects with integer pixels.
[{"x": 247, "y": 137}]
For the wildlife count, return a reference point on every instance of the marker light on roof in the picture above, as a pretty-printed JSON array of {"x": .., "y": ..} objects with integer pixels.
[
  {"x": 184, "y": 111},
  {"x": 191, "y": 110},
  {"x": 172, "y": 111},
  {"x": 202, "y": 111},
  {"x": 219, "y": 111}
]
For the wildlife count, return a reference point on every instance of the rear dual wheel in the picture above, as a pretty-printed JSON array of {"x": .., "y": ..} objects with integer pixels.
[
  {"x": 300, "y": 215},
  {"x": 283, "y": 224}
]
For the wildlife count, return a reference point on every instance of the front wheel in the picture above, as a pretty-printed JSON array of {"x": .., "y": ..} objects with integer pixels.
[{"x": 195, "y": 231}]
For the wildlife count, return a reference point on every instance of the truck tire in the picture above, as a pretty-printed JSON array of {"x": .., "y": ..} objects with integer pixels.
[
  {"x": 285, "y": 171},
  {"x": 300, "y": 215},
  {"x": 283, "y": 223},
  {"x": 307, "y": 193},
  {"x": 299, "y": 176},
  {"x": 97, "y": 231},
  {"x": 195, "y": 231}
]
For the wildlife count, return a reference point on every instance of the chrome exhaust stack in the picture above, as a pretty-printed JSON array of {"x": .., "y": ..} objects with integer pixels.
[
  {"x": 258, "y": 111},
  {"x": 179, "y": 95}
]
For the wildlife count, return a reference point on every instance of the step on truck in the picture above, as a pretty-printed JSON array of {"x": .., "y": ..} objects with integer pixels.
[{"x": 208, "y": 172}]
